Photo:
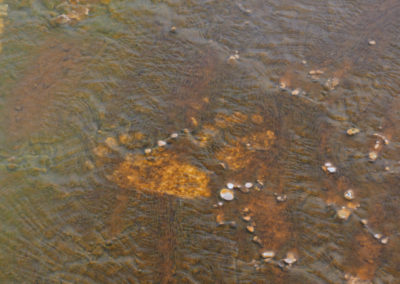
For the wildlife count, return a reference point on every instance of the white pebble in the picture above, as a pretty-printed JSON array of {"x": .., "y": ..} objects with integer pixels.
[
  {"x": 248, "y": 185},
  {"x": 147, "y": 150},
  {"x": 373, "y": 156},
  {"x": 349, "y": 194},
  {"x": 352, "y": 131},
  {"x": 328, "y": 167},
  {"x": 377, "y": 236},
  {"x": 331, "y": 169},
  {"x": 227, "y": 194},
  {"x": 343, "y": 213},
  {"x": 290, "y": 258},
  {"x": 384, "y": 240},
  {"x": 174, "y": 135},
  {"x": 161, "y": 143},
  {"x": 268, "y": 254},
  {"x": 295, "y": 92},
  {"x": 371, "y": 42}
]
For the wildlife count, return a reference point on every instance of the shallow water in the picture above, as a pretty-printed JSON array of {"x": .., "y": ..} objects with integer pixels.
[{"x": 81, "y": 201}]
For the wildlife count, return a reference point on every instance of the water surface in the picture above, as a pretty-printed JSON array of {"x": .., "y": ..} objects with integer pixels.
[{"x": 82, "y": 100}]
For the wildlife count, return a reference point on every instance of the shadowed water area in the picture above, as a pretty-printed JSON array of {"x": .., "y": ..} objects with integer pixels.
[{"x": 121, "y": 121}]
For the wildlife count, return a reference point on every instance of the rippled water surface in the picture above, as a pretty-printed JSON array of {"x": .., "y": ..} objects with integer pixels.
[{"x": 88, "y": 88}]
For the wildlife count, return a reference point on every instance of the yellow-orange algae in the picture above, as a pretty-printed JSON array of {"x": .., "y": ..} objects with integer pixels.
[
  {"x": 224, "y": 120},
  {"x": 164, "y": 173}
]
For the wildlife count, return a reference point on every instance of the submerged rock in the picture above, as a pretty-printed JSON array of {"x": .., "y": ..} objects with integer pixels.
[
  {"x": 331, "y": 83},
  {"x": 226, "y": 194},
  {"x": 246, "y": 218},
  {"x": 349, "y": 194},
  {"x": 248, "y": 185},
  {"x": 352, "y": 131},
  {"x": 329, "y": 168},
  {"x": 250, "y": 229},
  {"x": 230, "y": 185},
  {"x": 295, "y": 92},
  {"x": 268, "y": 254},
  {"x": 373, "y": 156},
  {"x": 344, "y": 213},
  {"x": 384, "y": 240},
  {"x": 3, "y": 10},
  {"x": 290, "y": 258}
]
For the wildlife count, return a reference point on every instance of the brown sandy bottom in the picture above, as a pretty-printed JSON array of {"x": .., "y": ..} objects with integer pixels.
[
  {"x": 155, "y": 217},
  {"x": 352, "y": 47}
]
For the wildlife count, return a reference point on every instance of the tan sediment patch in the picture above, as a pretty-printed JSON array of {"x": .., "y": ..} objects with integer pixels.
[
  {"x": 257, "y": 119},
  {"x": 206, "y": 135},
  {"x": 1, "y": 25},
  {"x": 225, "y": 120},
  {"x": 73, "y": 11},
  {"x": 32, "y": 107},
  {"x": 260, "y": 140},
  {"x": 164, "y": 173},
  {"x": 240, "y": 154},
  {"x": 1, "y": 31},
  {"x": 3, "y": 13},
  {"x": 101, "y": 151}
]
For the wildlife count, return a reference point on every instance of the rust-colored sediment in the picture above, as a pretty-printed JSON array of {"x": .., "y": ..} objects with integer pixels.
[
  {"x": 364, "y": 262},
  {"x": 348, "y": 52},
  {"x": 193, "y": 92},
  {"x": 271, "y": 224},
  {"x": 32, "y": 101},
  {"x": 162, "y": 172},
  {"x": 244, "y": 152},
  {"x": 121, "y": 203},
  {"x": 165, "y": 230}
]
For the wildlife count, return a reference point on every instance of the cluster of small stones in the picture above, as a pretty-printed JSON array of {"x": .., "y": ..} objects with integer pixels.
[
  {"x": 74, "y": 12},
  {"x": 268, "y": 256},
  {"x": 379, "y": 237},
  {"x": 155, "y": 169},
  {"x": 350, "y": 279},
  {"x": 315, "y": 74},
  {"x": 234, "y": 57},
  {"x": 344, "y": 212},
  {"x": 380, "y": 141},
  {"x": 293, "y": 92},
  {"x": 163, "y": 143},
  {"x": 329, "y": 168},
  {"x": 352, "y": 131},
  {"x": 228, "y": 194},
  {"x": 330, "y": 84}
]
